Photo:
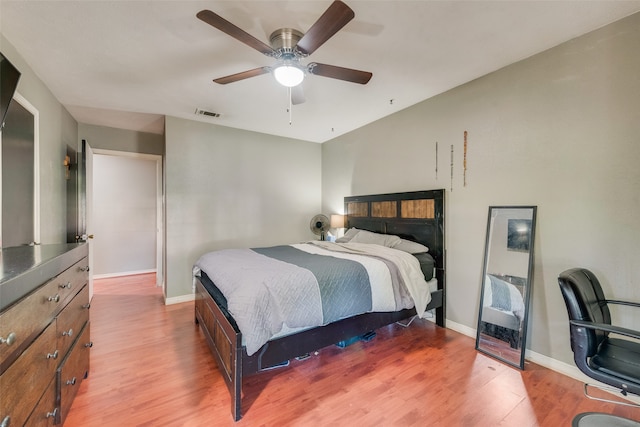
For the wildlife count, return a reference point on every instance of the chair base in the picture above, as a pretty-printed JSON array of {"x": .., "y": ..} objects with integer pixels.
[
  {"x": 610, "y": 389},
  {"x": 595, "y": 419}
]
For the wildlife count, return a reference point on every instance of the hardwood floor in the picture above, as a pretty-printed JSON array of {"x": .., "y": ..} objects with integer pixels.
[{"x": 150, "y": 366}]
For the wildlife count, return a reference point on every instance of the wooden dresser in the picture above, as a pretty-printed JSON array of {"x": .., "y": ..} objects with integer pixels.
[{"x": 44, "y": 332}]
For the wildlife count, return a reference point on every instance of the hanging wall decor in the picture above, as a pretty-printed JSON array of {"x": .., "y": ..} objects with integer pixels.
[
  {"x": 451, "y": 167},
  {"x": 436, "y": 160},
  {"x": 464, "y": 176}
]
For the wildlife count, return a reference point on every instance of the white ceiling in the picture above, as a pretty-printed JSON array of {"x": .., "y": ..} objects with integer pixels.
[{"x": 127, "y": 64}]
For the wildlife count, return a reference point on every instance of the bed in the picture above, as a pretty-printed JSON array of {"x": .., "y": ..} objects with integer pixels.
[
  {"x": 411, "y": 216},
  {"x": 503, "y": 308}
]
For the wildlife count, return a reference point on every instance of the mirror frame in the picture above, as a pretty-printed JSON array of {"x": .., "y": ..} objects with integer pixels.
[{"x": 527, "y": 290}]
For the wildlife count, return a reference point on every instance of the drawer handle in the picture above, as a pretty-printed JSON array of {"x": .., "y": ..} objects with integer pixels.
[
  {"x": 72, "y": 381},
  {"x": 6, "y": 422},
  {"x": 67, "y": 333},
  {"x": 87, "y": 306},
  {"x": 53, "y": 355},
  {"x": 89, "y": 344},
  {"x": 55, "y": 298},
  {"x": 86, "y": 268},
  {"x": 11, "y": 338},
  {"x": 52, "y": 414},
  {"x": 65, "y": 286}
]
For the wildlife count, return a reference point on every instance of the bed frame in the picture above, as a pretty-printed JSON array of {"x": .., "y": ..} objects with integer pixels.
[{"x": 417, "y": 216}]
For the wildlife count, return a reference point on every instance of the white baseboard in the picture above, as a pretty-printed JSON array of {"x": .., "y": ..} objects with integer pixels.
[
  {"x": 464, "y": 330},
  {"x": 555, "y": 365},
  {"x": 124, "y": 273},
  {"x": 540, "y": 359},
  {"x": 179, "y": 299}
]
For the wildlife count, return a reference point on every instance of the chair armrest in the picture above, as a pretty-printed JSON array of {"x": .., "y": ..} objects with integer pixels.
[
  {"x": 619, "y": 302},
  {"x": 606, "y": 327}
]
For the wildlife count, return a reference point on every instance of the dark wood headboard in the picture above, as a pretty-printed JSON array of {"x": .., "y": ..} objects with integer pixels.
[{"x": 415, "y": 215}]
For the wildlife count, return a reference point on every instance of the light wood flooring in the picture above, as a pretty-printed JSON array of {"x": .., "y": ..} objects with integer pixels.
[{"x": 150, "y": 366}]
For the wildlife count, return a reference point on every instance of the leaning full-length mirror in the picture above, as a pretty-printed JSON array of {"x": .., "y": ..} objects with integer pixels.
[{"x": 506, "y": 283}]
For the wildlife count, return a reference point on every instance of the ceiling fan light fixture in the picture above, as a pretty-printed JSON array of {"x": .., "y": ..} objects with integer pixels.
[
  {"x": 288, "y": 46},
  {"x": 288, "y": 75}
]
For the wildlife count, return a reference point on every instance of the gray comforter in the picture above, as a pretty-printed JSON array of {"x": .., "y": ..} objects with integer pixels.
[
  {"x": 503, "y": 296},
  {"x": 269, "y": 290}
]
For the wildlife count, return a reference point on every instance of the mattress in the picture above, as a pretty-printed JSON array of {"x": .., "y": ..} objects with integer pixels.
[
  {"x": 427, "y": 265},
  {"x": 221, "y": 301}
]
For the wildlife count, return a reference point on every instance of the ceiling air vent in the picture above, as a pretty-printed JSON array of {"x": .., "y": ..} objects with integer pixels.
[{"x": 201, "y": 112}]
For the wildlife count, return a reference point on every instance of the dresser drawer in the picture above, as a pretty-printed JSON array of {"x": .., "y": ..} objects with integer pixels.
[
  {"x": 71, "y": 320},
  {"x": 28, "y": 377},
  {"x": 20, "y": 323},
  {"x": 72, "y": 371},
  {"x": 71, "y": 280},
  {"x": 44, "y": 415}
]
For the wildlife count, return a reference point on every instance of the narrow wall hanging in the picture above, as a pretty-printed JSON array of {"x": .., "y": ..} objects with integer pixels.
[
  {"x": 451, "y": 167},
  {"x": 464, "y": 161},
  {"x": 436, "y": 160}
]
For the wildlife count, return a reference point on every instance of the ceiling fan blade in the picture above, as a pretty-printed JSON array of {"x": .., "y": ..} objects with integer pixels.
[
  {"x": 331, "y": 21},
  {"x": 237, "y": 33},
  {"x": 243, "y": 75},
  {"x": 340, "y": 73},
  {"x": 297, "y": 95}
]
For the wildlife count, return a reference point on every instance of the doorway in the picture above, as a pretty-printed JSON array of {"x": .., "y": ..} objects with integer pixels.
[{"x": 125, "y": 215}]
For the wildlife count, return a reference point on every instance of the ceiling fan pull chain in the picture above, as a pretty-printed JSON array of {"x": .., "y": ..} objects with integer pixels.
[{"x": 290, "y": 105}]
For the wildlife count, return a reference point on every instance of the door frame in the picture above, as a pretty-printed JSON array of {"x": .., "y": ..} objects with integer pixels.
[{"x": 160, "y": 282}]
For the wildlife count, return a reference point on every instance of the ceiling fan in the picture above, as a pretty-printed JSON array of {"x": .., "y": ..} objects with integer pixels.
[{"x": 290, "y": 46}]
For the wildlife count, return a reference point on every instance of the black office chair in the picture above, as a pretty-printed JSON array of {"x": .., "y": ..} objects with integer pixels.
[{"x": 614, "y": 361}]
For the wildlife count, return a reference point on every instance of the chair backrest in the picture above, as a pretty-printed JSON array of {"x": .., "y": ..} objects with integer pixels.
[{"x": 585, "y": 301}]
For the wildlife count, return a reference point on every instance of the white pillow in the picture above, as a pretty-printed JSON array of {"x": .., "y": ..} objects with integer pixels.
[
  {"x": 348, "y": 235},
  {"x": 364, "y": 236},
  {"x": 411, "y": 247}
]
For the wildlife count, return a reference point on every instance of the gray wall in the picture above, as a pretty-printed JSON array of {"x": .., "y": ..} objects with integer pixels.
[
  {"x": 227, "y": 188},
  {"x": 108, "y": 138},
  {"x": 57, "y": 130},
  {"x": 558, "y": 130}
]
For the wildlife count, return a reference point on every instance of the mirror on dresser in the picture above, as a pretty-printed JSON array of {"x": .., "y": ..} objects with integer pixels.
[
  {"x": 20, "y": 176},
  {"x": 19, "y": 165},
  {"x": 506, "y": 283}
]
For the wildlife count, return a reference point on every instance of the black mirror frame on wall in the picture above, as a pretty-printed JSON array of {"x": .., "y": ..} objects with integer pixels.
[
  {"x": 507, "y": 275},
  {"x": 9, "y": 77}
]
